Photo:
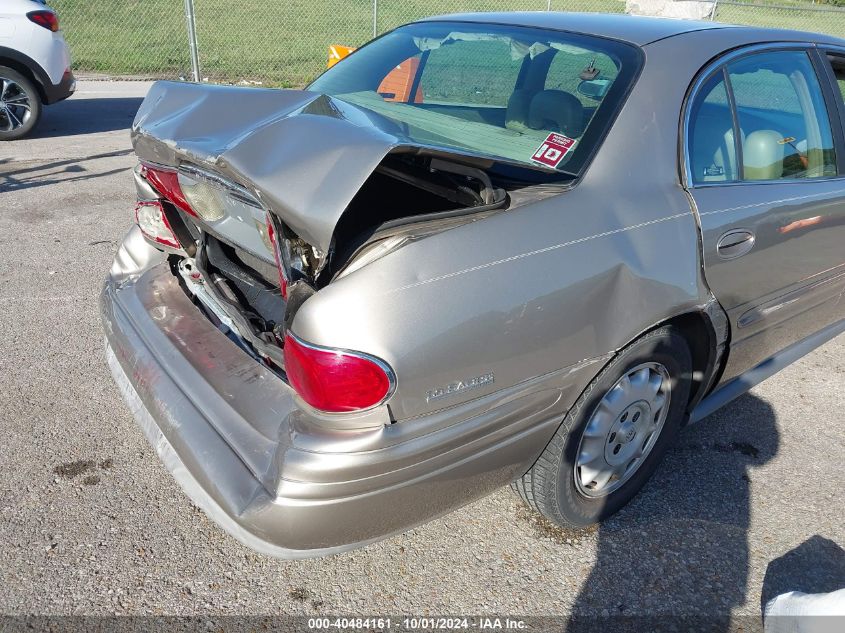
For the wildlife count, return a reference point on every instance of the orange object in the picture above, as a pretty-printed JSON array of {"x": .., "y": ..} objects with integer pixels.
[
  {"x": 338, "y": 52},
  {"x": 397, "y": 85}
]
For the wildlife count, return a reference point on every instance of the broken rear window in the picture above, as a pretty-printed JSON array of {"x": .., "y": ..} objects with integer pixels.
[{"x": 528, "y": 96}]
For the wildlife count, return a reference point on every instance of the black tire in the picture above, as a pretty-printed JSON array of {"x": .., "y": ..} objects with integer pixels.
[
  {"x": 33, "y": 103},
  {"x": 550, "y": 487}
]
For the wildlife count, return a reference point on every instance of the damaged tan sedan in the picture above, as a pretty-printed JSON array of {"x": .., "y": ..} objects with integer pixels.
[{"x": 482, "y": 249}]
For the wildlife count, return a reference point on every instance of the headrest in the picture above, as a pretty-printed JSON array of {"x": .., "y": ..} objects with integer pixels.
[
  {"x": 557, "y": 111},
  {"x": 762, "y": 155}
]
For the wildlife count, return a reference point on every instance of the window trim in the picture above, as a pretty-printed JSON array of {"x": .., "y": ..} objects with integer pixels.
[
  {"x": 720, "y": 64},
  {"x": 837, "y": 100},
  {"x": 737, "y": 128}
]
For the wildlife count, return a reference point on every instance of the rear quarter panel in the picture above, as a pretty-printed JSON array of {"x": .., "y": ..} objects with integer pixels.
[{"x": 525, "y": 293}]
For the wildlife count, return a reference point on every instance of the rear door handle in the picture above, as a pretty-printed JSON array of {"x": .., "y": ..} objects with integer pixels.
[{"x": 735, "y": 244}]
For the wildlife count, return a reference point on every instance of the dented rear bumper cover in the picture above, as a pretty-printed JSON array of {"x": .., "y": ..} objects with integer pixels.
[{"x": 235, "y": 438}]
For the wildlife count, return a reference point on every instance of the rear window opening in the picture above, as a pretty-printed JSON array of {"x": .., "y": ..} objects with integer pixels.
[{"x": 490, "y": 90}]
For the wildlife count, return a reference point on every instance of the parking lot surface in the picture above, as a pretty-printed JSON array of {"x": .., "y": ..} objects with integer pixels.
[{"x": 91, "y": 522}]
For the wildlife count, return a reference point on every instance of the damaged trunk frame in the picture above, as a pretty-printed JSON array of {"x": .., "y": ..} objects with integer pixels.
[{"x": 226, "y": 282}]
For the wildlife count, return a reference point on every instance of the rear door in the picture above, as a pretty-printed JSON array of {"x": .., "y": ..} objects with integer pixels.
[{"x": 764, "y": 168}]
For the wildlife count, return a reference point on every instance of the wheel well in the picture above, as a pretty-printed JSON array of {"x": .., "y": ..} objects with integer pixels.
[
  {"x": 699, "y": 333},
  {"x": 26, "y": 71}
]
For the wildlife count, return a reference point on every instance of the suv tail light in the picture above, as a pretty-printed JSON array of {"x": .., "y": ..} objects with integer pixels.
[
  {"x": 166, "y": 182},
  {"x": 334, "y": 380},
  {"x": 153, "y": 223},
  {"x": 47, "y": 19}
]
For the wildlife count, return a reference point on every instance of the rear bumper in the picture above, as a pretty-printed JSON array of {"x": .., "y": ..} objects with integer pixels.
[
  {"x": 234, "y": 436},
  {"x": 60, "y": 91}
]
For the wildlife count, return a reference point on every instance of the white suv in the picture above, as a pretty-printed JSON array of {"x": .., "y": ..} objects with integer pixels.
[{"x": 34, "y": 65}]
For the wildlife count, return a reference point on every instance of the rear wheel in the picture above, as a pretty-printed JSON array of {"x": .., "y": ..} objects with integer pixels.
[
  {"x": 615, "y": 435},
  {"x": 20, "y": 105}
]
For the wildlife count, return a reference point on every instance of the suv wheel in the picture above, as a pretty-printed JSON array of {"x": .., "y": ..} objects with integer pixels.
[
  {"x": 20, "y": 105},
  {"x": 615, "y": 435}
]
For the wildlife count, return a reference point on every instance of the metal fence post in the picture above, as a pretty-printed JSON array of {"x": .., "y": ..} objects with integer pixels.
[
  {"x": 548, "y": 5},
  {"x": 191, "y": 22},
  {"x": 375, "y": 18},
  {"x": 713, "y": 11}
]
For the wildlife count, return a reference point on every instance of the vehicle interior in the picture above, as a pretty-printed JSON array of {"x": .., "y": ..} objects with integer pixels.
[
  {"x": 495, "y": 93},
  {"x": 783, "y": 126},
  {"x": 548, "y": 92}
]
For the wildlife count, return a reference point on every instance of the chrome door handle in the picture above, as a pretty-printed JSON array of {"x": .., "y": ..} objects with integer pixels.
[{"x": 735, "y": 244}]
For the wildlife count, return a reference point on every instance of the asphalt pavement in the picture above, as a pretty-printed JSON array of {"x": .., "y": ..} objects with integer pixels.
[{"x": 92, "y": 523}]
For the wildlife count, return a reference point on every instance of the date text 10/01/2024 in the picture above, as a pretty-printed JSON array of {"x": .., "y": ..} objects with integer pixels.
[{"x": 412, "y": 624}]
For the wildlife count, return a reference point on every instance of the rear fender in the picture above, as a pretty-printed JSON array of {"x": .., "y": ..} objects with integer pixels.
[
  {"x": 28, "y": 67},
  {"x": 510, "y": 297}
]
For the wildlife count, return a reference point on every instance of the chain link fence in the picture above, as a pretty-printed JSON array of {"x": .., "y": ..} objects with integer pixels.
[
  {"x": 133, "y": 38},
  {"x": 818, "y": 18},
  {"x": 286, "y": 44}
]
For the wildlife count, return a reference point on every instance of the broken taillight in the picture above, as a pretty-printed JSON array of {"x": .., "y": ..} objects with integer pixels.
[
  {"x": 166, "y": 182},
  {"x": 150, "y": 217},
  {"x": 277, "y": 253},
  {"x": 335, "y": 380}
]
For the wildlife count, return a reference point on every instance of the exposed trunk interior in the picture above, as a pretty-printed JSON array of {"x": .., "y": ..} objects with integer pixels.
[
  {"x": 407, "y": 192},
  {"x": 408, "y": 189}
]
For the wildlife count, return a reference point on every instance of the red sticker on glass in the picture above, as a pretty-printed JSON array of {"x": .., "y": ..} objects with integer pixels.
[{"x": 553, "y": 149}]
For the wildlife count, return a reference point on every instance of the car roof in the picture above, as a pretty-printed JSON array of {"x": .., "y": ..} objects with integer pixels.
[{"x": 635, "y": 29}]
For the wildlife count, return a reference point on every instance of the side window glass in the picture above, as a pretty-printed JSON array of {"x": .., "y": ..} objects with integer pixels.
[
  {"x": 783, "y": 121},
  {"x": 712, "y": 151}
]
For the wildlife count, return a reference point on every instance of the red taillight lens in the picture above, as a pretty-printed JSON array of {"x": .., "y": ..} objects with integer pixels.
[
  {"x": 153, "y": 223},
  {"x": 274, "y": 240},
  {"x": 47, "y": 19},
  {"x": 334, "y": 380},
  {"x": 166, "y": 182}
]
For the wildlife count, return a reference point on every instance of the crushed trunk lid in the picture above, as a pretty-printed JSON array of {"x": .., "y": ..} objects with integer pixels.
[{"x": 294, "y": 149}]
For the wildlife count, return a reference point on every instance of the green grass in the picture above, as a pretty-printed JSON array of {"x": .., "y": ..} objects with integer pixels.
[
  {"x": 286, "y": 43},
  {"x": 126, "y": 37},
  {"x": 831, "y": 21}
]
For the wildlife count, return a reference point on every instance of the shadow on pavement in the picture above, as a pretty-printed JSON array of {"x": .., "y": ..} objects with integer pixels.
[
  {"x": 681, "y": 547},
  {"x": 86, "y": 116},
  {"x": 815, "y": 566},
  {"x": 50, "y": 173}
]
